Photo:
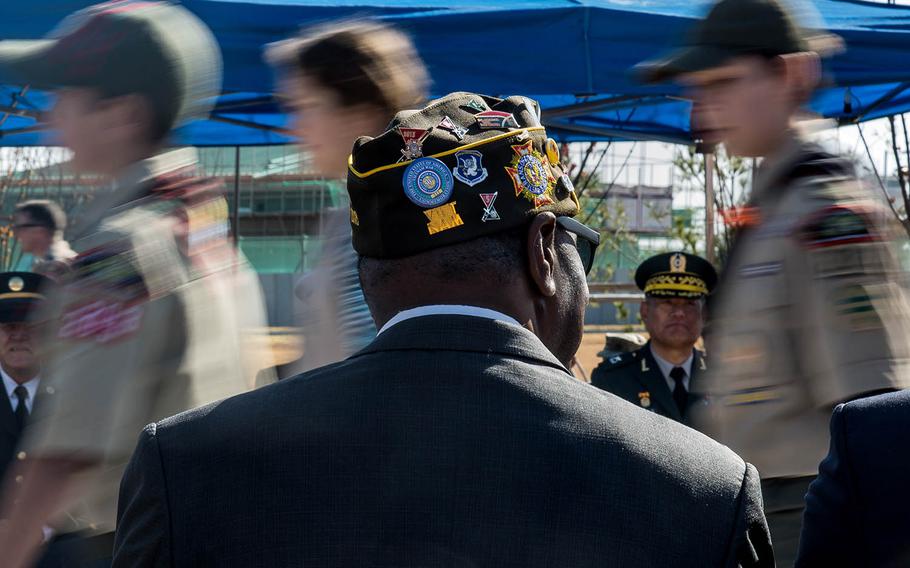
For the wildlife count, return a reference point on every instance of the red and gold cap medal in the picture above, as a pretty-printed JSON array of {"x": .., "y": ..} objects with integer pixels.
[{"x": 531, "y": 175}]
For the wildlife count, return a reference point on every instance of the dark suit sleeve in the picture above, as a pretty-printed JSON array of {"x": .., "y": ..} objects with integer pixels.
[
  {"x": 143, "y": 518},
  {"x": 827, "y": 531},
  {"x": 750, "y": 546}
]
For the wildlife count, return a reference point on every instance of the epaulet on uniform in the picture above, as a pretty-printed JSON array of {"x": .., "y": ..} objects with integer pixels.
[{"x": 619, "y": 360}]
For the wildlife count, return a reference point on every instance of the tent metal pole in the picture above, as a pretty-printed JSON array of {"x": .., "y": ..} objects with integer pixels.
[
  {"x": 237, "y": 196},
  {"x": 709, "y": 206}
]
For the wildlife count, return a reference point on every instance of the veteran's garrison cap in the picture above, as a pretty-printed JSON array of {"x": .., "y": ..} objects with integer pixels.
[{"x": 462, "y": 167}]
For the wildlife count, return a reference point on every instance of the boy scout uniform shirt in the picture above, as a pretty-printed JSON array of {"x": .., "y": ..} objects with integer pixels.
[
  {"x": 152, "y": 322},
  {"x": 810, "y": 313}
]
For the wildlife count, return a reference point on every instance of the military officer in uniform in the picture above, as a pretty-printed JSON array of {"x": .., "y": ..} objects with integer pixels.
[
  {"x": 809, "y": 312},
  {"x": 151, "y": 317},
  {"x": 661, "y": 375},
  {"x": 21, "y": 294}
]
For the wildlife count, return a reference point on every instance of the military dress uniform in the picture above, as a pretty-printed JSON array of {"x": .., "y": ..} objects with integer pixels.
[
  {"x": 810, "y": 313},
  {"x": 640, "y": 377},
  {"x": 637, "y": 378},
  {"x": 21, "y": 293}
]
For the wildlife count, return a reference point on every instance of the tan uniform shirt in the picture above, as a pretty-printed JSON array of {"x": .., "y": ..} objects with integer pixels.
[
  {"x": 153, "y": 317},
  {"x": 810, "y": 312}
]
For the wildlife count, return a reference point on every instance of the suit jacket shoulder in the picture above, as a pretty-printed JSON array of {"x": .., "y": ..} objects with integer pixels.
[
  {"x": 434, "y": 419},
  {"x": 856, "y": 508}
]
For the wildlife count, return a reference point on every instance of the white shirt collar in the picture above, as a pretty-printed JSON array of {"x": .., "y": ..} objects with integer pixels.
[
  {"x": 666, "y": 367},
  {"x": 10, "y": 385},
  {"x": 441, "y": 309}
]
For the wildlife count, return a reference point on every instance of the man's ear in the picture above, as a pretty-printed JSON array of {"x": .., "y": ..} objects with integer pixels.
[
  {"x": 803, "y": 72},
  {"x": 643, "y": 310},
  {"x": 542, "y": 253}
]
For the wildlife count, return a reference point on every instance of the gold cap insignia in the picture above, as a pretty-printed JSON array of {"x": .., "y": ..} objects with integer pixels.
[
  {"x": 16, "y": 284},
  {"x": 678, "y": 262}
]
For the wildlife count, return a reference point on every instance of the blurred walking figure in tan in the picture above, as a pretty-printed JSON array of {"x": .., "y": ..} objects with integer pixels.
[
  {"x": 808, "y": 312},
  {"x": 152, "y": 315}
]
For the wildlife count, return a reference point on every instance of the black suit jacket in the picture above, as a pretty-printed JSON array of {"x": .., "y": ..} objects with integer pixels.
[
  {"x": 858, "y": 508},
  {"x": 448, "y": 441},
  {"x": 637, "y": 378},
  {"x": 9, "y": 432}
]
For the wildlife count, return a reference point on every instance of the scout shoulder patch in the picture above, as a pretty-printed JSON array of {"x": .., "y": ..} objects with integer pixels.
[
  {"x": 110, "y": 270},
  {"x": 102, "y": 321},
  {"x": 838, "y": 225},
  {"x": 108, "y": 294}
]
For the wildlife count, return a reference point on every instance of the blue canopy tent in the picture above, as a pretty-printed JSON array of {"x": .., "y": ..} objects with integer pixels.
[{"x": 572, "y": 55}]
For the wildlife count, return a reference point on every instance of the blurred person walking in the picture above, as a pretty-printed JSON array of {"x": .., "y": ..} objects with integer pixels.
[
  {"x": 151, "y": 317},
  {"x": 339, "y": 82},
  {"x": 808, "y": 312}
]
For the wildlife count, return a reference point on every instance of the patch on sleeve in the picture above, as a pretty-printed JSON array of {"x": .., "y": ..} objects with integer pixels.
[
  {"x": 100, "y": 321},
  {"x": 838, "y": 225},
  {"x": 108, "y": 295},
  {"x": 109, "y": 271}
]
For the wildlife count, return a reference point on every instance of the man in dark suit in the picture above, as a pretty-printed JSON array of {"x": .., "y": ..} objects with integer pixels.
[
  {"x": 457, "y": 437},
  {"x": 661, "y": 375},
  {"x": 20, "y": 294},
  {"x": 856, "y": 509}
]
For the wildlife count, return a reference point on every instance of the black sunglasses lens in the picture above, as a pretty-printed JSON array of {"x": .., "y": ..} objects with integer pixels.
[{"x": 586, "y": 252}]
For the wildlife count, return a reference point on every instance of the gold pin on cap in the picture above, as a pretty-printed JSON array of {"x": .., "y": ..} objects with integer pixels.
[{"x": 16, "y": 284}]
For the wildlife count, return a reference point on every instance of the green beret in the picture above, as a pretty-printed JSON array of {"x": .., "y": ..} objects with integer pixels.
[
  {"x": 676, "y": 275},
  {"x": 463, "y": 167}
]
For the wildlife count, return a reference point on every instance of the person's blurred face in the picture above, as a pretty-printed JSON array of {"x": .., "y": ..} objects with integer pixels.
[
  {"x": 675, "y": 323},
  {"x": 33, "y": 238},
  {"x": 745, "y": 104},
  {"x": 324, "y": 128},
  {"x": 17, "y": 351},
  {"x": 104, "y": 135}
]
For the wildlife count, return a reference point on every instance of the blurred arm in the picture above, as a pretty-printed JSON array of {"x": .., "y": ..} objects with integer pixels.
[{"x": 853, "y": 338}]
